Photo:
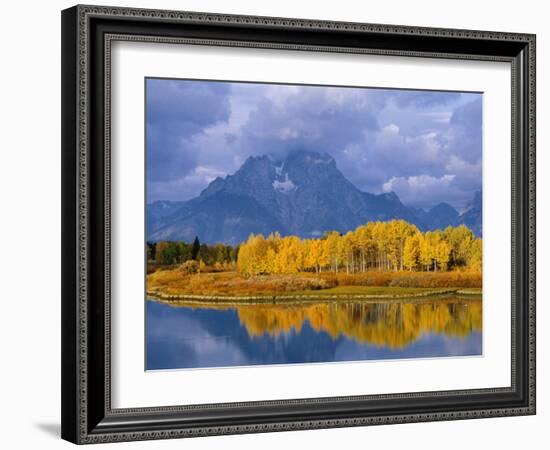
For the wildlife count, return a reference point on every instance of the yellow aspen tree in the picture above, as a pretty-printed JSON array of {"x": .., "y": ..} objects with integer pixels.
[
  {"x": 411, "y": 252},
  {"x": 475, "y": 257},
  {"x": 426, "y": 251},
  {"x": 442, "y": 253},
  {"x": 331, "y": 245},
  {"x": 364, "y": 242},
  {"x": 312, "y": 248},
  {"x": 323, "y": 258},
  {"x": 243, "y": 260},
  {"x": 460, "y": 239},
  {"x": 439, "y": 250}
]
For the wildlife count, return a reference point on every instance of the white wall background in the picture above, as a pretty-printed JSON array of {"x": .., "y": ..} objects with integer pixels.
[{"x": 30, "y": 224}]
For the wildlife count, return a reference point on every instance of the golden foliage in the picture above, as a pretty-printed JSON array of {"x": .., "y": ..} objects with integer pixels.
[{"x": 384, "y": 246}]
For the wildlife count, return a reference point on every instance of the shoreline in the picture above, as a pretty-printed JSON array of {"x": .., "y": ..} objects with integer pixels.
[{"x": 303, "y": 298}]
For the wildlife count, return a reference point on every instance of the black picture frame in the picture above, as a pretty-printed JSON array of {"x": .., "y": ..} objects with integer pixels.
[{"x": 87, "y": 415}]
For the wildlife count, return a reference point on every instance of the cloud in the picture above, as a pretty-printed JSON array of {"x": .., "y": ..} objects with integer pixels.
[
  {"x": 463, "y": 137},
  {"x": 422, "y": 99},
  {"x": 426, "y": 191},
  {"x": 378, "y": 137},
  {"x": 177, "y": 111},
  {"x": 307, "y": 118},
  {"x": 193, "y": 182}
]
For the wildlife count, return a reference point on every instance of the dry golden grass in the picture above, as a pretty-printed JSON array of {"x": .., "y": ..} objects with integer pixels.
[
  {"x": 460, "y": 279},
  {"x": 174, "y": 282}
]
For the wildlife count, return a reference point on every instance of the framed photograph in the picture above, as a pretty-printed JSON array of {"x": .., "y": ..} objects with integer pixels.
[{"x": 279, "y": 224}]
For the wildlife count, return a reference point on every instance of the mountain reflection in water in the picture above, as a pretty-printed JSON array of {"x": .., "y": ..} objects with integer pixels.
[{"x": 206, "y": 335}]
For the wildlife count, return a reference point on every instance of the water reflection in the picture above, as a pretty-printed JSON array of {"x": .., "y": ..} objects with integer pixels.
[{"x": 191, "y": 335}]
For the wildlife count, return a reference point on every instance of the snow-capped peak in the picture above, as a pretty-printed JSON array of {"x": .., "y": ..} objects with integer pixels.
[{"x": 285, "y": 186}]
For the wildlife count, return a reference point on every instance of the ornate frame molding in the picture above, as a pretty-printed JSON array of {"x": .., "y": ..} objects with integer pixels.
[{"x": 80, "y": 419}]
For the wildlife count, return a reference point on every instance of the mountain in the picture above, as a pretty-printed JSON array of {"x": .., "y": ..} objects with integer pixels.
[
  {"x": 306, "y": 192},
  {"x": 472, "y": 217},
  {"x": 224, "y": 217},
  {"x": 157, "y": 212},
  {"x": 441, "y": 216},
  {"x": 304, "y": 195}
]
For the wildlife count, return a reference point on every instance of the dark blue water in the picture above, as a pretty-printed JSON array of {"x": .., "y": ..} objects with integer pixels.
[{"x": 209, "y": 336}]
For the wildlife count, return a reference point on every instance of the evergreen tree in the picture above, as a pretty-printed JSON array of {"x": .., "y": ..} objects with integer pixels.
[{"x": 195, "y": 248}]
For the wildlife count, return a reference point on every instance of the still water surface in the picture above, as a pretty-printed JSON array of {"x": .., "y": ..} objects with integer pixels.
[{"x": 193, "y": 336}]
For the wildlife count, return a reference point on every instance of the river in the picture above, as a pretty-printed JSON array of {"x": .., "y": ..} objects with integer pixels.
[{"x": 208, "y": 335}]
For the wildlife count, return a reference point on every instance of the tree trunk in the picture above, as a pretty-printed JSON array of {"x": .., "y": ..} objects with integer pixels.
[{"x": 401, "y": 251}]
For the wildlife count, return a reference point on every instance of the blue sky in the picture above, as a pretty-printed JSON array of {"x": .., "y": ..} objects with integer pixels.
[{"x": 426, "y": 146}]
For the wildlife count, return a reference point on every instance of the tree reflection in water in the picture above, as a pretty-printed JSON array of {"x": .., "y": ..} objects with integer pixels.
[{"x": 393, "y": 324}]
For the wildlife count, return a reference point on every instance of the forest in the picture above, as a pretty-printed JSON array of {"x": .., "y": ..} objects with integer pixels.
[
  {"x": 168, "y": 253},
  {"x": 376, "y": 259},
  {"x": 384, "y": 246}
]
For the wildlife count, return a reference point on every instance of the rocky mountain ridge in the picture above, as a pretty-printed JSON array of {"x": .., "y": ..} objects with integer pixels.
[{"x": 305, "y": 195}]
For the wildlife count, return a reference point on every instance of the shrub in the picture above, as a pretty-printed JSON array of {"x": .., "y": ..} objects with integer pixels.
[{"x": 190, "y": 266}]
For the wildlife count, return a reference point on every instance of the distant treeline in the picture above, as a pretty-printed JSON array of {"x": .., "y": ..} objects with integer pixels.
[
  {"x": 177, "y": 252},
  {"x": 385, "y": 246}
]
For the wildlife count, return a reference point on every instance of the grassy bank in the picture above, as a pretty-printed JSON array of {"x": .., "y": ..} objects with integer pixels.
[
  {"x": 176, "y": 284},
  {"x": 344, "y": 293}
]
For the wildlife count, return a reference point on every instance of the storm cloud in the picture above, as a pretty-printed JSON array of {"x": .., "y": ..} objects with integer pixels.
[{"x": 424, "y": 145}]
